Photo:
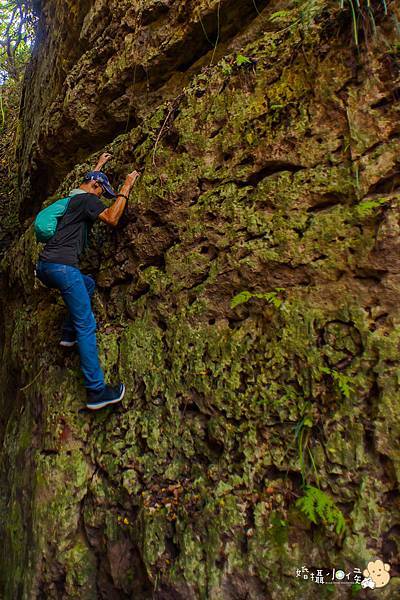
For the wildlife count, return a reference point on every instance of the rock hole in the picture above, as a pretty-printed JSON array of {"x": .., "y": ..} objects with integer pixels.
[
  {"x": 248, "y": 160},
  {"x": 327, "y": 201},
  {"x": 271, "y": 168},
  {"x": 162, "y": 324},
  {"x": 214, "y": 133}
]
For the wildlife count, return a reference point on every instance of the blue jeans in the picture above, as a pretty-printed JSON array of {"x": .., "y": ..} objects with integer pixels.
[{"x": 76, "y": 290}]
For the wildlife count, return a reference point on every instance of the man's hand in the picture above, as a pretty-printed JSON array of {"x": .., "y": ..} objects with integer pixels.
[
  {"x": 113, "y": 213},
  {"x": 105, "y": 157},
  {"x": 131, "y": 178}
]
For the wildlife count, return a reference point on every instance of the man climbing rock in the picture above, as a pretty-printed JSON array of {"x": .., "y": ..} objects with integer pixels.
[{"x": 58, "y": 267}]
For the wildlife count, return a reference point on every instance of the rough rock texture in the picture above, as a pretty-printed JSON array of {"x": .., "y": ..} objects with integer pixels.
[
  {"x": 9, "y": 101},
  {"x": 276, "y": 175}
]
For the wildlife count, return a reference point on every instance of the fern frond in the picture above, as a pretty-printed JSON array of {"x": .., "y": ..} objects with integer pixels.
[{"x": 317, "y": 506}]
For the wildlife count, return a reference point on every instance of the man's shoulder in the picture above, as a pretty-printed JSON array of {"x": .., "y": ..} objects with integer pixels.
[
  {"x": 81, "y": 198},
  {"x": 88, "y": 196},
  {"x": 88, "y": 199},
  {"x": 92, "y": 206}
]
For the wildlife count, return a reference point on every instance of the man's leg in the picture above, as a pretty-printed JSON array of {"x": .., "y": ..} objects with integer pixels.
[
  {"x": 68, "y": 335},
  {"x": 74, "y": 291},
  {"x": 75, "y": 295}
]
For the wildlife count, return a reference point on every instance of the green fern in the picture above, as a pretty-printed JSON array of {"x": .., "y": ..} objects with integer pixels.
[
  {"x": 367, "y": 207},
  {"x": 318, "y": 507},
  {"x": 241, "y": 298},
  {"x": 342, "y": 381},
  {"x": 271, "y": 297},
  {"x": 280, "y": 14}
]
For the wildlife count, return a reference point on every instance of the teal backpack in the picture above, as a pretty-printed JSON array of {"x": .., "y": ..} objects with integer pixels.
[{"x": 47, "y": 220}]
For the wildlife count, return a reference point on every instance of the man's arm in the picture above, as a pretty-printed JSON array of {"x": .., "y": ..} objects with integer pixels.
[{"x": 113, "y": 213}]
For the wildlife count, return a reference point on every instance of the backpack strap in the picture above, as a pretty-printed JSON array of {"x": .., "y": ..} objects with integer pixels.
[{"x": 73, "y": 193}]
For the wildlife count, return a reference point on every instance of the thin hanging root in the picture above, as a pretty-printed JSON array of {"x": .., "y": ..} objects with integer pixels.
[
  {"x": 33, "y": 380},
  {"x": 171, "y": 110}
]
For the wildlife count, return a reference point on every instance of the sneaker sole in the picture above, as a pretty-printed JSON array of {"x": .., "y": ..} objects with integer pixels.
[
  {"x": 106, "y": 402},
  {"x": 67, "y": 344}
]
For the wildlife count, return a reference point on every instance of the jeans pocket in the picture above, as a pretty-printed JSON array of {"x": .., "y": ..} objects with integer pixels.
[
  {"x": 53, "y": 275},
  {"x": 48, "y": 268},
  {"x": 72, "y": 277}
]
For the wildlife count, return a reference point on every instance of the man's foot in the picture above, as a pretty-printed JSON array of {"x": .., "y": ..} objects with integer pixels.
[
  {"x": 110, "y": 395},
  {"x": 68, "y": 339}
]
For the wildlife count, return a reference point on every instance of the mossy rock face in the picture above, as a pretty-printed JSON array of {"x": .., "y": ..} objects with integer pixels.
[{"x": 248, "y": 300}]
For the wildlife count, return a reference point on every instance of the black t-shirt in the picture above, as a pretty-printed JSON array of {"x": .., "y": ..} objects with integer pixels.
[{"x": 67, "y": 244}]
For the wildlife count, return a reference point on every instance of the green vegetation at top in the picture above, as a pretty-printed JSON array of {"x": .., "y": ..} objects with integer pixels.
[
  {"x": 17, "y": 27},
  {"x": 363, "y": 14}
]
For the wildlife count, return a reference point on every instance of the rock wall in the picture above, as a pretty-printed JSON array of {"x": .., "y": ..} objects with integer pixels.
[{"x": 248, "y": 299}]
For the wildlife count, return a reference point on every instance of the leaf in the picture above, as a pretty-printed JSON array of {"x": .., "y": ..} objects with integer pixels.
[
  {"x": 241, "y": 298},
  {"x": 225, "y": 67},
  {"x": 343, "y": 381},
  {"x": 355, "y": 589},
  {"x": 242, "y": 60},
  {"x": 250, "y": 138},
  {"x": 271, "y": 297},
  {"x": 280, "y": 14},
  {"x": 307, "y": 507}
]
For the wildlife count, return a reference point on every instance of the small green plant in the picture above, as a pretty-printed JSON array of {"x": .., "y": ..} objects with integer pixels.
[
  {"x": 302, "y": 436},
  {"x": 342, "y": 381},
  {"x": 225, "y": 67},
  {"x": 242, "y": 60},
  {"x": 279, "y": 14},
  {"x": 367, "y": 207},
  {"x": 356, "y": 179},
  {"x": 245, "y": 296},
  {"x": 362, "y": 12},
  {"x": 355, "y": 589},
  {"x": 318, "y": 507}
]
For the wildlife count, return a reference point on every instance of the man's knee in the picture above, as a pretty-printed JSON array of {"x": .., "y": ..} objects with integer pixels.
[{"x": 86, "y": 324}]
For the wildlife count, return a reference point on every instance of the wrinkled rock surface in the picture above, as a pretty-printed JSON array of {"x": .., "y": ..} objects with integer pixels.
[{"x": 269, "y": 159}]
